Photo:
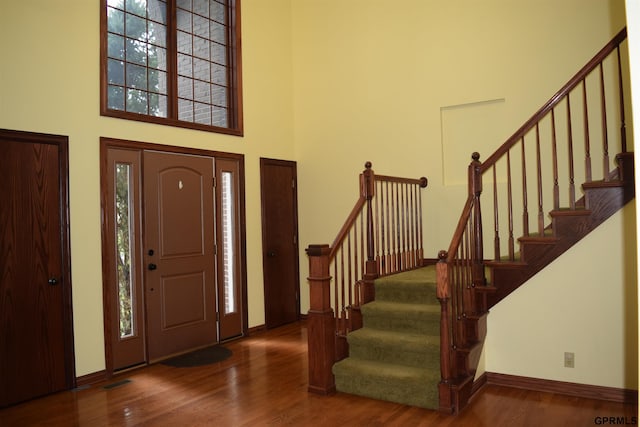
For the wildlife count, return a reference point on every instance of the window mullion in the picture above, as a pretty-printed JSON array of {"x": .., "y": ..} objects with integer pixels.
[{"x": 172, "y": 63}]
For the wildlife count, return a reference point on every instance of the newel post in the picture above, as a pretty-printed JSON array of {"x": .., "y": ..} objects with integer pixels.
[
  {"x": 443, "y": 293},
  {"x": 475, "y": 190},
  {"x": 367, "y": 189},
  {"x": 321, "y": 322}
]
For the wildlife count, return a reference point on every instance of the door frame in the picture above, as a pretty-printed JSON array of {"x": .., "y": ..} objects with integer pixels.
[
  {"x": 107, "y": 143},
  {"x": 294, "y": 166},
  {"x": 62, "y": 142}
]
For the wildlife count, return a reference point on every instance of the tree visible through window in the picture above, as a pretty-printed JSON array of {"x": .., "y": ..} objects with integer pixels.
[
  {"x": 174, "y": 62},
  {"x": 123, "y": 208}
]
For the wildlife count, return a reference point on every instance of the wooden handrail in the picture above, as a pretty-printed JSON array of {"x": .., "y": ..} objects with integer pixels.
[
  {"x": 422, "y": 182},
  {"x": 459, "y": 231},
  {"x": 555, "y": 99},
  {"x": 342, "y": 234},
  {"x": 460, "y": 270},
  {"x": 382, "y": 235}
]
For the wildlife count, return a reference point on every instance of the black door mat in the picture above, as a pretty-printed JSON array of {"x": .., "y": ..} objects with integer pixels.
[{"x": 204, "y": 356}]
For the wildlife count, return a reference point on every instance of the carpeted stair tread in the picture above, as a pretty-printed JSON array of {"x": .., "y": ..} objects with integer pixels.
[
  {"x": 394, "y": 383},
  {"x": 418, "y": 275},
  {"x": 395, "y": 356},
  {"x": 402, "y": 317},
  {"x": 408, "y": 292},
  {"x": 401, "y": 308},
  {"x": 408, "y": 349},
  {"x": 413, "y": 286}
]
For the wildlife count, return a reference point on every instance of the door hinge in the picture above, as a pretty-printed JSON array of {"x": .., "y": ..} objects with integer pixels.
[
  {"x": 214, "y": 182},
  {"x": 295, "y": 239},
  {"x": 215, "y": 249},
  {"x": 217, "y": 316},
  {"x": 293, "y": 183}
]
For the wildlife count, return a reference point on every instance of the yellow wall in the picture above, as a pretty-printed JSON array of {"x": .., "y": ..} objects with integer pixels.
[
  {"x": 330, "y": 84},
  {"x": 49, "y": 82},
  {"x": 372, "y": 81},
  {"x": 633, "y": 28},
  {"x": 381, "y": 83},
  {"x": 585, "y": 303}
]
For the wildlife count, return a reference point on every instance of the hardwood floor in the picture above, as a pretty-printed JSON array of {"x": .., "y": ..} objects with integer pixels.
[{"x": 264, "y": 383}]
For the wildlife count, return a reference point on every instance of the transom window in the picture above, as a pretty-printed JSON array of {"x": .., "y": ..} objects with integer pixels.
[{"x": 174, "y": 62}]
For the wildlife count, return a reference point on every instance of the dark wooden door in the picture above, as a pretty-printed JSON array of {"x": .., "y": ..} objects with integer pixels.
[
  {"x": 278, "y": 182},
  {"x": 179, "y": 253},
  {"x": 36, "y": 335}
]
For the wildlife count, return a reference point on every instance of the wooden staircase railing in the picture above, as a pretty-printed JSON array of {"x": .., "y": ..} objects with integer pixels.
[
  {"x": 382, "y": 235},
  {"x": 532, "y": 181}
]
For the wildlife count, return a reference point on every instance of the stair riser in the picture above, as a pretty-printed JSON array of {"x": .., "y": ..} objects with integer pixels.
[
  {"x": 600, "y": 200},
  {"x": 406, "y": 391},
  {"x": 425, "y": 325},
  {"x": 532, "y": 251},
  {"x": 419, "y": 358},
  {"x": 424, "y": 296},
  {"x": 571, "y": 226},
  {"x": 374, "y": 390}
]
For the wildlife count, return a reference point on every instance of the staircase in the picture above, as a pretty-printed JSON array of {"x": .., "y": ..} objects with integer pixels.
[
  {"x": 531, "y": 184},
  {"x": 416, "y": 337},
  {"x": 568, "y": 226},
  {"x": 395, "y": 356}
]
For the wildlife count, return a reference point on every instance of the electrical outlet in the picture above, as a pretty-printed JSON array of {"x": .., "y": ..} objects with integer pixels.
[{"x": 569, "y": 360}]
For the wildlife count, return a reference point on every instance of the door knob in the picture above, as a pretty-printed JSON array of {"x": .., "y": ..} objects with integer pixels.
[
  {"x": 53, "y": 281},
  {"x": 271, "y": 254},
  {"x": 152, "y": 266}
]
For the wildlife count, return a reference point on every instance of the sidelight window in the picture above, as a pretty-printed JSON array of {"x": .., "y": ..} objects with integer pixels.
[
  {"x": 124, "y": 233},
  {"x": 228, "y": 239}
]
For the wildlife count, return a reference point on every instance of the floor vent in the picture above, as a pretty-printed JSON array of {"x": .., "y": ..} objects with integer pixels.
[{"x": 116, "y": 384}]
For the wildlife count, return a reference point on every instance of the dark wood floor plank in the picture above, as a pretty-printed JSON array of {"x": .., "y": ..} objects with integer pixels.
[{"x": 264, "y": 383}]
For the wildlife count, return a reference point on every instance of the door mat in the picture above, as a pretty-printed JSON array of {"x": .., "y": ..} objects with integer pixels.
[{"x": 204, "y": 356}]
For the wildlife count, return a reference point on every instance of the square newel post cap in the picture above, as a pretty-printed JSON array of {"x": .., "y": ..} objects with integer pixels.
[{"x": 318, "y": 250}]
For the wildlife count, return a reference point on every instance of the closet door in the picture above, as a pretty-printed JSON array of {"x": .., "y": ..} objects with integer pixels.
[
  {"x": 36, "y": 333},
  {"x": 280, "y": 241}
]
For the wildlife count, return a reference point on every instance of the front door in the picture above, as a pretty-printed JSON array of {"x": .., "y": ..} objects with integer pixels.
[
  {"x": 36, "y": 336},
  {"x": 179, "y": 253},
  {"x": 280, "y": 241}
]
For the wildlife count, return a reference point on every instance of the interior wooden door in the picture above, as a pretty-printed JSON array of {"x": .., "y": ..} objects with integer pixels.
[
  {"x": 179, "y": 253},
  {"x": 278, "y": 182},
  {"x": 36, "y": 335}
]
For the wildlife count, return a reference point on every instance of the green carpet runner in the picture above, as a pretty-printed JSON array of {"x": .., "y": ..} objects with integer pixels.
[{"x": 396, "y": 355}]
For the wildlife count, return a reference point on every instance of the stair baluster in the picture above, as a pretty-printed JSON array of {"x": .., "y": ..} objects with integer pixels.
[
  {"x": 465, "y": 293},
  {"x": 381, "y": 236}
]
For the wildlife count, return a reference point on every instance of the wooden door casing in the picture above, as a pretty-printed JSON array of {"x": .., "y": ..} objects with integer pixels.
[
  {"x": 36, "y": 325},
  {"x": 229, "y": 162},
  {"x": 129, "y": 350},
  {"x": 231, "y": 293}
]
